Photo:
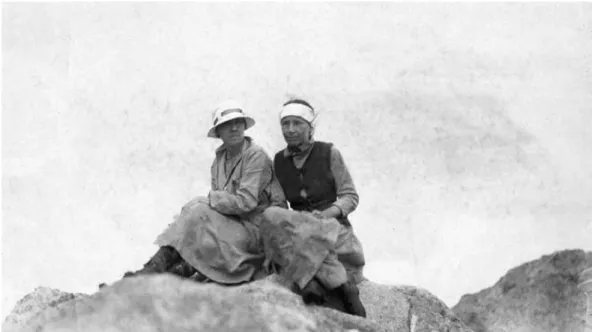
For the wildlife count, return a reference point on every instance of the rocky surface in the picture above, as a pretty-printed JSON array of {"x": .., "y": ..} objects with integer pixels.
[
  {"x": 35, "y": 303},
  {"x": 167, "y": 303},
  {"x": 541, "y": 295}
]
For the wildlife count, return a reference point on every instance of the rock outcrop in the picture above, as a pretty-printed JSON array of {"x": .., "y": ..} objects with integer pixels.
[
  {"x": 35, "y": 303},
  {"x": 167, "y": 303},
  {"x": 540, "y": 296}
]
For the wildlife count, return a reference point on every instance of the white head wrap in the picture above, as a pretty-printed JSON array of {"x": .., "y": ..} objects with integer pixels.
[{"x": 299, "y": 110}]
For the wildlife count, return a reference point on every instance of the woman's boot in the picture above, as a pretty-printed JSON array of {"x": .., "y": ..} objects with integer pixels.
[
  {"x": 313, "y": 292},
  {"x": 185, "y": 270},
  {"x": 164, "y": 259},
  {"x": 182, "y": 269},
  {"x": 350, "y": 295}
]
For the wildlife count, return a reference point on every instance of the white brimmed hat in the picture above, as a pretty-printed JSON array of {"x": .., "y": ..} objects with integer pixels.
[{"x": 226, "y": 111}]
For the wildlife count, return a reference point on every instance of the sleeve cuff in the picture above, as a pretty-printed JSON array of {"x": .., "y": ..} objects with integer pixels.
[
  {"x": 341, "y": 211},
  {"x": 214, "y": 199}
]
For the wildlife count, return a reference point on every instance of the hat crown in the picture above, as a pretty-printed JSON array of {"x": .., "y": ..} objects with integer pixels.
[
  {"x": 229, "y": 106},
  {"x": 227, "y": 111}
]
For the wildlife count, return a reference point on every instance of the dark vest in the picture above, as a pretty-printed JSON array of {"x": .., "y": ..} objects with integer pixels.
[{"x": 315, "y": 177}]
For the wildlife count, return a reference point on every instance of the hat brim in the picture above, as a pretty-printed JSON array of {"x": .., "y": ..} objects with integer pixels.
[{"x": 249, "y": 121}]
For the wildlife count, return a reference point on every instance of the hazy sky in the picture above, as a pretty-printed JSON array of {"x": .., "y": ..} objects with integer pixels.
[{"x": 465, "y": 126}]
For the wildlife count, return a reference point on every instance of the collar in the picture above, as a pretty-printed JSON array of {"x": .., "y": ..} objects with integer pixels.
[
  {"x": 303, "y": 150},
  {"x": 246, "y": 144}
]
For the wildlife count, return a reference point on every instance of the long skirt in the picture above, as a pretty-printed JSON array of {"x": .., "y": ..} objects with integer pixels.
[
  {"x": 306, "y": 247},
  {"x": 225, "y": 249}
]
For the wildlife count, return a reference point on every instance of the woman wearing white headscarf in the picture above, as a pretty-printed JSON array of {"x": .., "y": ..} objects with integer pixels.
[
  {"x": 313, "y": 244},
  {"x": 217, "y": 236}
]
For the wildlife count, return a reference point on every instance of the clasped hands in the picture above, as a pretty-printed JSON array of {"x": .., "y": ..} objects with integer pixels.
[{"x": 331, "y": 212}]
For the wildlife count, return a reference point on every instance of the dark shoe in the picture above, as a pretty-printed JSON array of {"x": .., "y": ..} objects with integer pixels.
[
  {"x": 198, "y": 277},
  {"x": 313, "y": 293},
  {"x": 182, "y": 269},
  {"x": 351, "y": 299},
  {"x": 185, "y": 270},
  {"x": 163, "y": 260},
  {"x": 334, "y": 300},
  {"x": 149, "y": 268}
]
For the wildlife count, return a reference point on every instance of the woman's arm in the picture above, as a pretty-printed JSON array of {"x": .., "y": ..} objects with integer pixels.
[
  {"x": 257, "y": 174},
  {"x": 347, "y": 196}
]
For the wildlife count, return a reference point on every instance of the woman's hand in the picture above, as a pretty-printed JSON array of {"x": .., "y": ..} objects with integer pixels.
[
  {"x": 318, "y": 214},
  {"x": 332, "y": 212},
  {"x": 194, "y": 202}
]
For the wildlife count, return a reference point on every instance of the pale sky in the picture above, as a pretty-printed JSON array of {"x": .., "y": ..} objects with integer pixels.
[{"x": 465, "y": 127}]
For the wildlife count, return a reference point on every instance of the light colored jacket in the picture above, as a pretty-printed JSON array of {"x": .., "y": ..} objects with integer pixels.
[{"x": 246, "y": 188}]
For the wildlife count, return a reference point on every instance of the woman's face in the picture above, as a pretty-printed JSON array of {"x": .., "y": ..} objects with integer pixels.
[
  {"x": 296, "y": 131},
  {"x": 232, "y": 132}
]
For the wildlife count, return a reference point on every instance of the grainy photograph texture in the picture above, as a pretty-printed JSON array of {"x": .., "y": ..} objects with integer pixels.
[{"x": 302, "y": 166}]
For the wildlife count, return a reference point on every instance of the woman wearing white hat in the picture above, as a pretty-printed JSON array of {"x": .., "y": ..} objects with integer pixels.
[
  {"x": 217, "y": 237},
  {"x": 313, "y": 244}
]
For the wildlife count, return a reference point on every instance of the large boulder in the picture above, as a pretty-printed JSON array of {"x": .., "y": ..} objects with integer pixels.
[
  {"x": 168, "y": 303},
  {"x": 541, "y": 296}
]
